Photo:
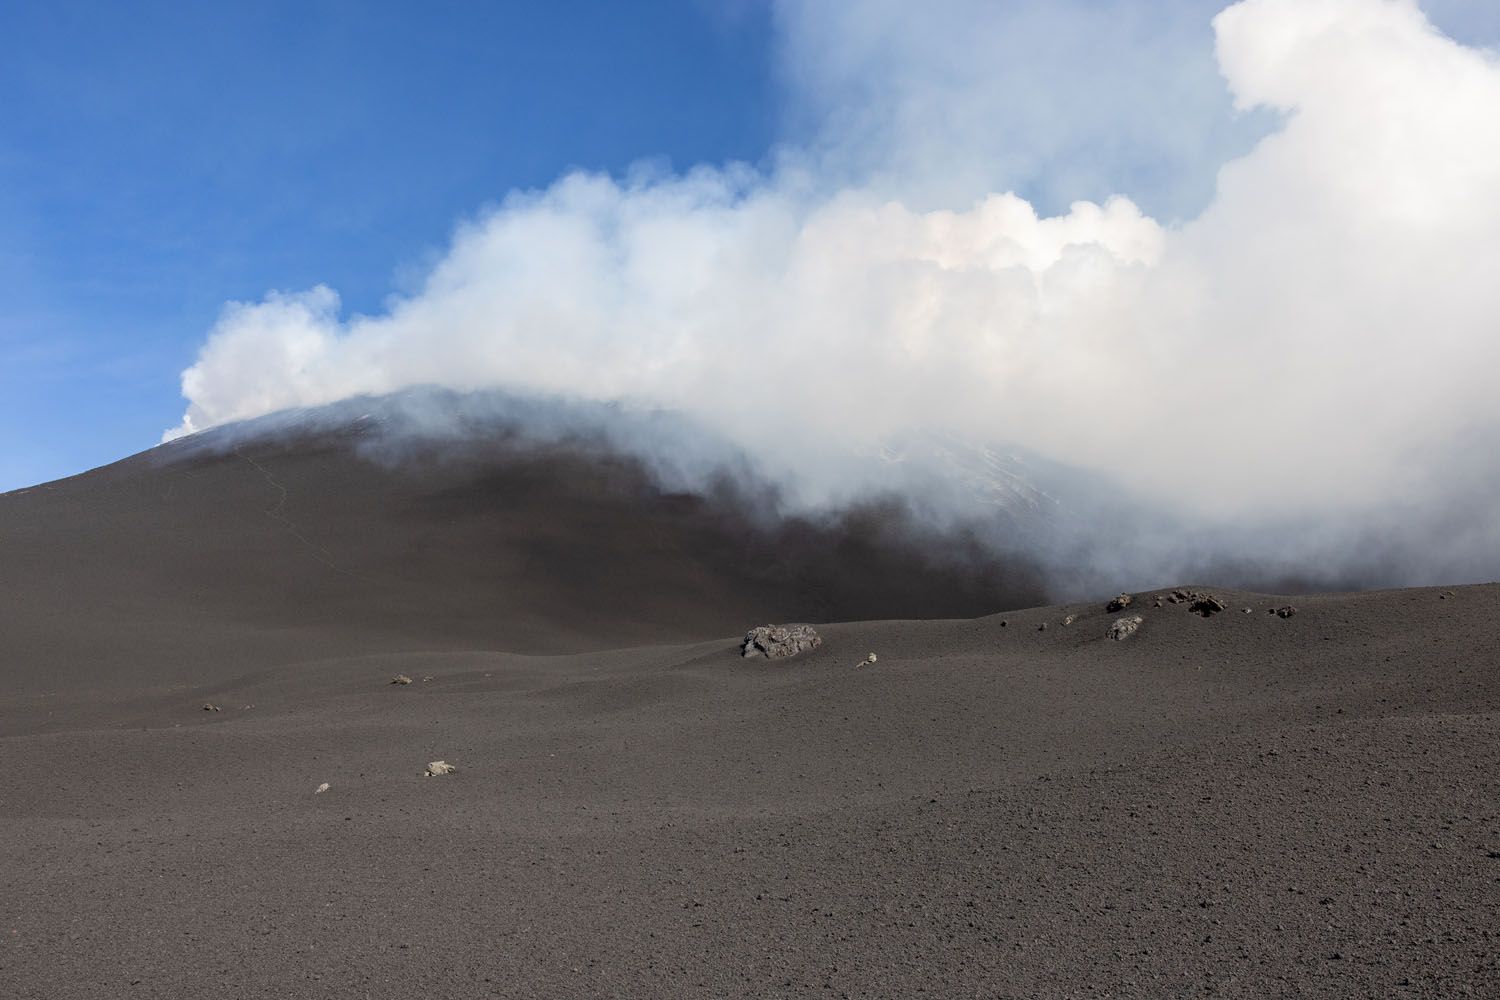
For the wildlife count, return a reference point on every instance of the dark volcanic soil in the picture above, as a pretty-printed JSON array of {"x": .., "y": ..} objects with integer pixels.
[
  {"x": 194, "y": 564},
  {"x": 1240, "y": 806}
]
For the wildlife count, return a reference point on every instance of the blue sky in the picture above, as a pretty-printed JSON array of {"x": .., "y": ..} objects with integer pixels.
[{"x": 159, "y": 159}]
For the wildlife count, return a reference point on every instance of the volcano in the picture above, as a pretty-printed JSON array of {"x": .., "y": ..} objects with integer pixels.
[
  {"x": 212, "y": 788},
  {"x": 338, "y": 533}
]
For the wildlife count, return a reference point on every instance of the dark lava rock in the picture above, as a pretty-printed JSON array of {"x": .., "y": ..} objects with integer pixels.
[
  {"x": 777, "y": 642},
  {"x": 1206, "y": 605},
  {"x": 1285, "y": 611},
  {"x": 1119, "y": 603}
]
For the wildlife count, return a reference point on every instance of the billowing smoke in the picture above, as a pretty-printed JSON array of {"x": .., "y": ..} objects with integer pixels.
[{"x": 1302, "y": 374}]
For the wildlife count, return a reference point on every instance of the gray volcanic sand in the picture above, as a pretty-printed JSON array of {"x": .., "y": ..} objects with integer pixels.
[{"x": 1235, "y": 806}]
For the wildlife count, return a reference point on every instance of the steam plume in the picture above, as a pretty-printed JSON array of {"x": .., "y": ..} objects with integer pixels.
[{"x": 1317, "y": 346}]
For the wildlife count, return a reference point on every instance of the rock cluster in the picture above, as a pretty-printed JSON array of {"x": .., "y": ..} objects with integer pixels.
[
  {"x": 401, "y": 679},
  {"x": 1124, "y": 628},
  {"x": 1285, "y": 611},
  {"x": 776, "y": 642},
  {"x": 1119, "y": 603},
  {"x": 1206, "y": 605}
]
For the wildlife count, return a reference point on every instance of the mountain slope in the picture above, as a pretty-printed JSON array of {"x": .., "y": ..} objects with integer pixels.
[
  {"x": 234, "y": 549},
  {"x": 1244, "y": 805}
]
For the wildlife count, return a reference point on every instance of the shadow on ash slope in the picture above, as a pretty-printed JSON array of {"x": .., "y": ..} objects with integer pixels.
[{"x": 1084, "y": 535}]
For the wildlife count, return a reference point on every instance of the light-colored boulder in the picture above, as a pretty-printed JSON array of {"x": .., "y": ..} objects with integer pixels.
[
  {"x": 1124, "y": 628},
  {"x": 777, "y": 642}
]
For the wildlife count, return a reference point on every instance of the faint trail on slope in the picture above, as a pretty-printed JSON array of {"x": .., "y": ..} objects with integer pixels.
[{"x": 276, "y": 514}]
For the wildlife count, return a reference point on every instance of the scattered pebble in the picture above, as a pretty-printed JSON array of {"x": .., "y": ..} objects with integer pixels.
[
  {"x": 866, "y": 661},
  {"x": 322, "y": 788},
  {"x": 209, "y": 706},
  {"x": 401, "y": 679},
  {"x": 1042, "y": 627},
  {"x": 1070, "y": 619},
  {"x": 1247, "y": 610},
  {"x": 438, "y": 767}
]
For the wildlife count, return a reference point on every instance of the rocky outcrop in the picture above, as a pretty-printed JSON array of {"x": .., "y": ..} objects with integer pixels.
[
  {"x": 1206, "y": 605},
  {"x": 1124, "y": 628},
  {"x": 777, "y": 642},
  {"x": 1119, "y": 603}
]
